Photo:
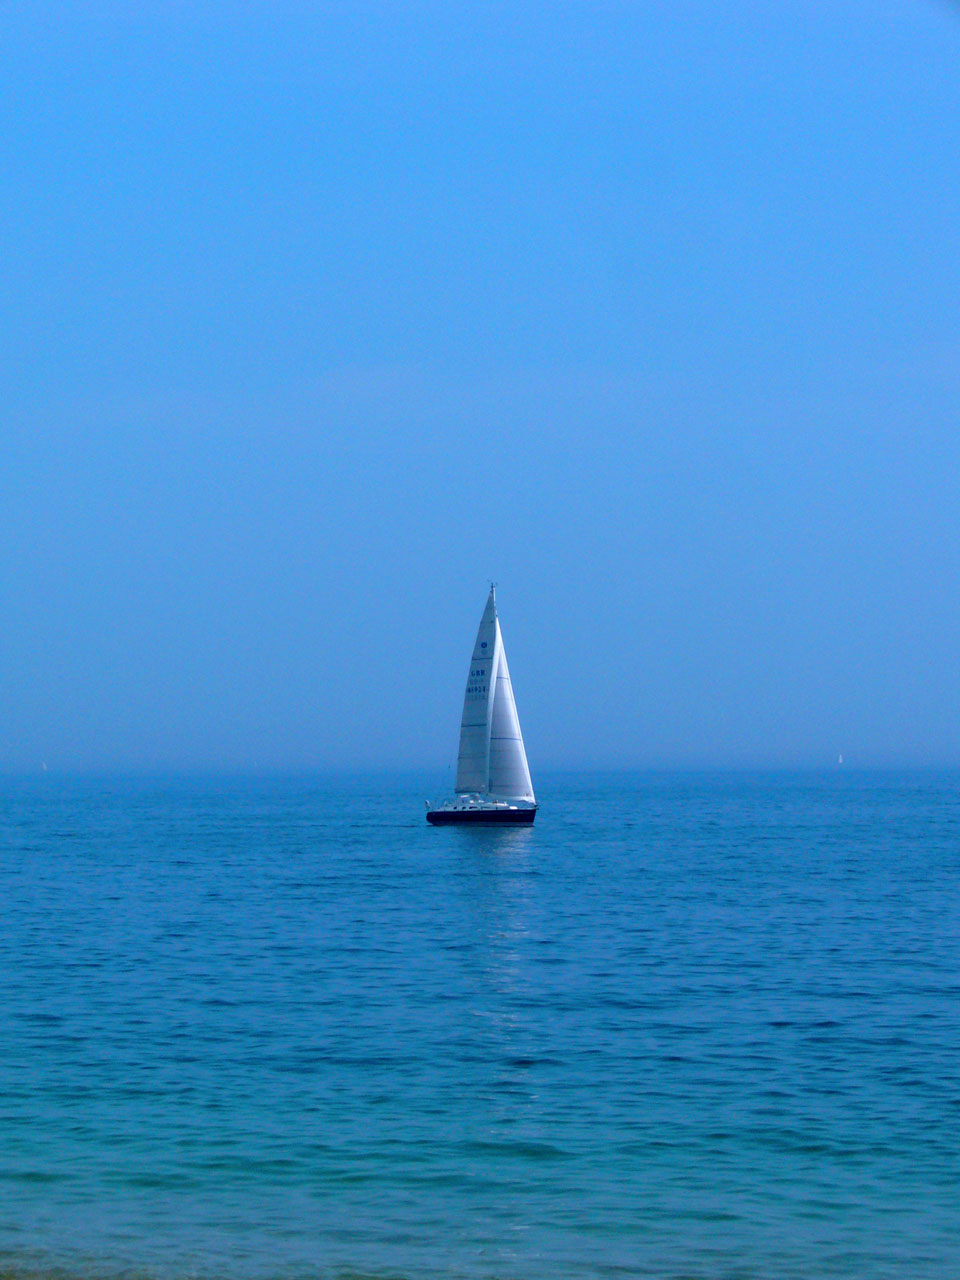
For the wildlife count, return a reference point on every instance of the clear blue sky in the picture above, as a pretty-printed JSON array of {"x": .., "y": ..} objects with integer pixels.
[{"x": 315, "y": 317}]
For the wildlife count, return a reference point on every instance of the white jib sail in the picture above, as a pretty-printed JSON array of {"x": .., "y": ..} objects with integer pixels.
[{"x": 492, "y": 760}]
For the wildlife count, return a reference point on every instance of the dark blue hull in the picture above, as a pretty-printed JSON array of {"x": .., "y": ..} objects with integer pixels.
[{"x": 443, "y": 817}]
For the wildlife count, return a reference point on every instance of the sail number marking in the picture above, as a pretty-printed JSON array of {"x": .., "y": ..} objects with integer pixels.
[{"x": 477, "y": 673}]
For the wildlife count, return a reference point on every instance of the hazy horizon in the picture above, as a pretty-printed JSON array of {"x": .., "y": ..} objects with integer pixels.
[
  {"x": 318, "y": 320},
  {"x": 439, "y": 778}
]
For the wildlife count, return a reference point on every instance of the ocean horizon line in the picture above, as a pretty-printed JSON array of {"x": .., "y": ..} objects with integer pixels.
[{"x": 438, "y": 773}]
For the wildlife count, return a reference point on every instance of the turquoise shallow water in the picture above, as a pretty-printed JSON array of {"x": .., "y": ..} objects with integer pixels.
[{"x": 688, "y": 1026}]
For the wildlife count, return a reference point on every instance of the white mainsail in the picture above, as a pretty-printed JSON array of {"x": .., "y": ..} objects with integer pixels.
[{"x": 492, "y": 760}]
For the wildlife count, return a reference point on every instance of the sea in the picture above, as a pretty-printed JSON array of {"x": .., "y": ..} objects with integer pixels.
[{"x": 686, "y": 1027}]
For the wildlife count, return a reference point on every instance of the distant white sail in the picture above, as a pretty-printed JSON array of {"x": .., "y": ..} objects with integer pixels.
[
  {"x": 509, "y": 773},
  {"x": 492, "y": 760},
  {"x": 473, "y": 762}
]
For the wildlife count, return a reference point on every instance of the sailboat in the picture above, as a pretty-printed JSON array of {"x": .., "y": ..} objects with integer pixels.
[{"x": 493, "y": 778}]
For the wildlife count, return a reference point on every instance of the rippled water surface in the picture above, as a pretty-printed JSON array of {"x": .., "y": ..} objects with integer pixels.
[{"x": 685, "y": 1026}]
